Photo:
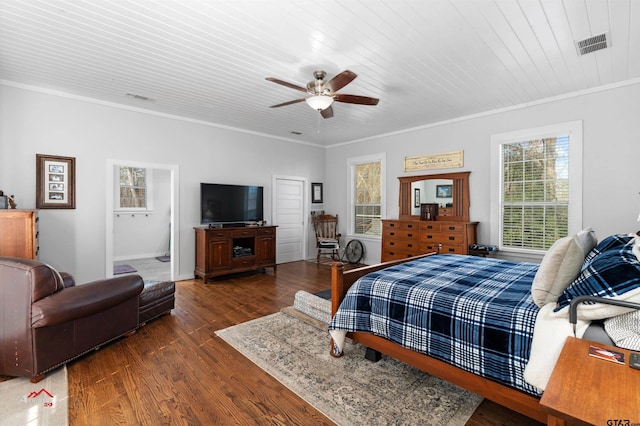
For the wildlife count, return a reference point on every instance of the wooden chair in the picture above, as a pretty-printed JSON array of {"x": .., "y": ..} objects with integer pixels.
[{"x": 327, "y": 236}]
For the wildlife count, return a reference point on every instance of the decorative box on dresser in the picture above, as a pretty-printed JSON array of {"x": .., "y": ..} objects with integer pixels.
[
  {"x": 222, "y": 251},
  {"x": 406, "y": 238},
  {"x": 19, "y": 233}
]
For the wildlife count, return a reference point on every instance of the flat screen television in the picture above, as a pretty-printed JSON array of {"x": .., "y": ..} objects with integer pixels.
[{"x": 221, "y": 203}]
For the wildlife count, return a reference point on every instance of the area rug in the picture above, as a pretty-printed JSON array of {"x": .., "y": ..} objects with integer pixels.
[
  {"x": 348, "y": 390},
  {"x": 123, "y": 269},
  {"x": 164, "y": 258},
  {"x": 44, "y": 403}
]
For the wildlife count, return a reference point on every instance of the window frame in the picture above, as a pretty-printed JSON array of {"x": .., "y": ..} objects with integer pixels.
[
  {"x": 148, "y": 190},
  {"x": 573, "y": 129},
  {"x": 351, "y": 167}
]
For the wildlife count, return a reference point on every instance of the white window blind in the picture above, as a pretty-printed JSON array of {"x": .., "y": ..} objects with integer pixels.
[
  {"x": 134, "y": 189},
  {"x": 535, "y": 192},
  {"x": 367, "y": 195}
]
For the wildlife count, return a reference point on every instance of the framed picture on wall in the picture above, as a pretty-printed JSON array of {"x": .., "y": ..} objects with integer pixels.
[
  {"x": 316, "y": 193},
  {"x": 444, "y": 191},
  {"x": 55, "y": 182},
  {"x": 416, "y": 197}
]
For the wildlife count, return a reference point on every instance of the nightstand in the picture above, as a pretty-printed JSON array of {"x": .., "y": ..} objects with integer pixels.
[{"x": 592, "y": 390}]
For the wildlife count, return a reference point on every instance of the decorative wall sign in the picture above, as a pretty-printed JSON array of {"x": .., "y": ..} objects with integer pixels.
[
  {"x": 446, "y": 160},
  {"x": 55, "y": 182}
]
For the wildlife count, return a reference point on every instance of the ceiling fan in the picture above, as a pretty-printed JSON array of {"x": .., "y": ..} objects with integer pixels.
[{"x": 322, "y": 94}]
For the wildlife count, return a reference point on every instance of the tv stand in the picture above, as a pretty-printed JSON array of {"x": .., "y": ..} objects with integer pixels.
[{"x": 228, "y": 250}]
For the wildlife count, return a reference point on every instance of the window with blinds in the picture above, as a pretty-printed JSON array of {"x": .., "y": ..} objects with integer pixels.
[
  {"x": 535, "y": 192},
  {"x": 134, "y": 188},
  {"x": 367, "y": 195},
  {"x": 367, "y": 176}
]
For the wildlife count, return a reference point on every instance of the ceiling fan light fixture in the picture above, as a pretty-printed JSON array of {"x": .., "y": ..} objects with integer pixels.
[{"x": 319, "y": 102}]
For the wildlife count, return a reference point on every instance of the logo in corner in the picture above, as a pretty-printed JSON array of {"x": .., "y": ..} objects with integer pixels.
[{"x": 42, "y": 396}]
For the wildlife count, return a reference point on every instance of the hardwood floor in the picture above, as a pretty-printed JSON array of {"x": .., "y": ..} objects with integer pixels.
[{"x": 176, "y": 371}]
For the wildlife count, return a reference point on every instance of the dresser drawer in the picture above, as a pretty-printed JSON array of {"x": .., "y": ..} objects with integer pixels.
[
  {"x": 399, "y": 244},
  {"x": 442, "y": 227},
  {"x": 442, "y": 237},
  {"x": 400, "y": 225},
  {"x": 400, "y": 234},
  {"x": 242, "y": 262},
  {"x": 240, "y": 233},
  {"x": 388, "y": 255},
  {"x": 266, "y": 231},
  {"x": 442, "y": 248},
  {"x": 452, "y": 249},
  {"x": 217, "y": 233}
]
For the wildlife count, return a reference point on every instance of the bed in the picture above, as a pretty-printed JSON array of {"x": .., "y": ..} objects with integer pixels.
[{"x": 497, "y": 306}]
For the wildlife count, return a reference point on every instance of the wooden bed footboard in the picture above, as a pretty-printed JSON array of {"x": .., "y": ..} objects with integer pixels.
[{"x": 508, "y": 397}]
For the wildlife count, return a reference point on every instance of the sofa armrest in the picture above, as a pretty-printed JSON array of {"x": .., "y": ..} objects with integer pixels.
[
  {"x": 83, "y": 300},
  {"x": 67, "y": 280}
]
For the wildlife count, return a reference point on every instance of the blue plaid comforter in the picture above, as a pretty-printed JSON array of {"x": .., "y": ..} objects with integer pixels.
[{"x": 472, "y": 312}]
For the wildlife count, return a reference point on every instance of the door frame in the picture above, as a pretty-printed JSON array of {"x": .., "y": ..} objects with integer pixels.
[
  {"x": 305, "y": 208},
  {"x": 175, "y": 215}
]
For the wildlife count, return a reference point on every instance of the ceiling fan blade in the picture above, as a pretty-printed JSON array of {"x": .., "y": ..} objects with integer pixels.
[
  {"x": 284, "y": 83},
  {"x": 341, "y": 80},
  {"x": 327, "y": 112},
  {"x": 287, "y": 103},
  {"x": 354, "y": 99}
]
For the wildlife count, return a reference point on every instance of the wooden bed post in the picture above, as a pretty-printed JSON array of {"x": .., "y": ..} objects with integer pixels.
[{"x": 337, "y": 286}]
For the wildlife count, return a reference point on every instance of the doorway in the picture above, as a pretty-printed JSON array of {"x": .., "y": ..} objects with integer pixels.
[
  {"x": 169, "y": 189},
  {"x": 289, "y": 215}
]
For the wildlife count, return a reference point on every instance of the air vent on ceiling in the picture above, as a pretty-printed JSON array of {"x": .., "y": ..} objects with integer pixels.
[
  {"x": 139, "y": 97},
  {"x": 592, "y": 44}
]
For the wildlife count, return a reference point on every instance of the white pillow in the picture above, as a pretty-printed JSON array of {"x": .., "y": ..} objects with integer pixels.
[
  {"x": 587, "y": 240},
  {"x": 559, "y": 267}
]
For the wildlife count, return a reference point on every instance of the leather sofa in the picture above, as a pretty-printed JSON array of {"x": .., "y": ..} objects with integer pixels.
[{"x": 47, "y": 320}]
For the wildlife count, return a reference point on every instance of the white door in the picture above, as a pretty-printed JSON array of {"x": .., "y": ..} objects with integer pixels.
[{"x": 289, "y": 216}]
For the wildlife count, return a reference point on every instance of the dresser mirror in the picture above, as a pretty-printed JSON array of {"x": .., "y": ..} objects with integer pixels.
[{"x": 450, "y": 191}]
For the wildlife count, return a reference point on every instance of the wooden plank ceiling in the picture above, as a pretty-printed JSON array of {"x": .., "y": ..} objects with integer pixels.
[{"x": 427, "y": 61}]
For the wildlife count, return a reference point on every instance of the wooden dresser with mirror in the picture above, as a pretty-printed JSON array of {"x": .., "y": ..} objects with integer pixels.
[{"x": 445, "y": 199}]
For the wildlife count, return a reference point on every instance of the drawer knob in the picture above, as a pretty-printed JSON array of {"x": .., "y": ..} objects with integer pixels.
[
  {"x": 409, "y": 235},
  {"x": 452, "y": 238},
  {"x": 452, "y": 228}
]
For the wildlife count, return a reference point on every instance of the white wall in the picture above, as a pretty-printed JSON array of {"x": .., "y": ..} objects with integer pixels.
[
  {"x": 611, "y": 128},
  {"x": 74, "y": 240}
]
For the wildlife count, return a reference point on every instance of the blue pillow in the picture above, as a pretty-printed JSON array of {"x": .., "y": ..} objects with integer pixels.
[
  {"x": 611, "y": 242},
  {"x": 611, "y": 270}
]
